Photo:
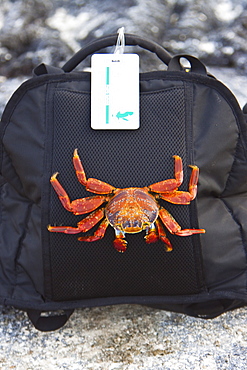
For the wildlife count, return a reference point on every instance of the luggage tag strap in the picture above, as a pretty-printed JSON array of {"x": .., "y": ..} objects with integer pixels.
[
  {"x": 111, "y": 40},
  {"x": 119, "y": 49}
]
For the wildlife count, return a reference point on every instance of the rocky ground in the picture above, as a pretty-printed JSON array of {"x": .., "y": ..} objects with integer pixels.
[
  {"x": 125, "y": 337},
  {"x": 34, "y": 31},
  {"x": 129, "y": 336}
]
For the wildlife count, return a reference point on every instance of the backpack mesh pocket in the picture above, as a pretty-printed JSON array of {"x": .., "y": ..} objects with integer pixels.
[{"x": 123, "y": 159}]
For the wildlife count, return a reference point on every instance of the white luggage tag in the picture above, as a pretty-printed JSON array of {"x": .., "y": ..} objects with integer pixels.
[{"x": 115, "y": 91}]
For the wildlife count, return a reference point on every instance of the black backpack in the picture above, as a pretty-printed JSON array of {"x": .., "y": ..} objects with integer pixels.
[{"x": 183, "y": 112}]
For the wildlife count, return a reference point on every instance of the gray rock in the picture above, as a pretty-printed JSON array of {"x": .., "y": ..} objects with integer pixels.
[
  {"x": 36, "y": 31},
  {"x": 126, "y": 337}
]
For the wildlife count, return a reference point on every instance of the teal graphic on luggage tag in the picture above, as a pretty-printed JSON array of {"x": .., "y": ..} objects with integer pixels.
[
  {"x": 107, "y": 107},
  {"x": 124, "y": 115}
]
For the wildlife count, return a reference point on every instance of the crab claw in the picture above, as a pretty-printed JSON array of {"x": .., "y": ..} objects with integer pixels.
[
  {"x": 151, "y": 237},
  {"x": 120, "y": 245}
]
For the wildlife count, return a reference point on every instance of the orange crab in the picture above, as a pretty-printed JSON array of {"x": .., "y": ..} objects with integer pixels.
[{"x": 128, "y": 210}]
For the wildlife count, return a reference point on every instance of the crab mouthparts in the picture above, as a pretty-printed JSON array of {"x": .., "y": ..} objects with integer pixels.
[{"x": 132, "y": 227}]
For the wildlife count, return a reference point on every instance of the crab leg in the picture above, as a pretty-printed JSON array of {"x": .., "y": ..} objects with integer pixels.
[
  {"x": 80, "y": 173},
  {"x": 156, "y": 233},
  {"x": 184, "y": 197},
  {"x": 83, "y": 226},
  {"x": 78, "y": 206},
  {"x": 92, "y": 185},
  {"x": 171, "y": 184},
  {"x": 162, "y": 236},
  {"x": 99, "y": 233},
  {"x": 173, "y": 227},
  {"x": 120, "y": 244},
  {"x": 152, "y": 234}
]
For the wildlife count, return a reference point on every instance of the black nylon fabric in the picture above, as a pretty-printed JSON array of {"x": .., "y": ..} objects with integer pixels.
[
  {"x": 220, "y": 149},
  {"x": 192, "y": 116},
  {"x": 123, "y": 159}
]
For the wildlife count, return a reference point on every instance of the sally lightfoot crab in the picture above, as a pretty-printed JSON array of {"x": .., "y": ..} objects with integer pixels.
[{"x": 129, "y": 210}]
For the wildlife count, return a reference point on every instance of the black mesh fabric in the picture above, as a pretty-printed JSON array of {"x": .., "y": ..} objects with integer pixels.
[{"x": 123, "y": 159}]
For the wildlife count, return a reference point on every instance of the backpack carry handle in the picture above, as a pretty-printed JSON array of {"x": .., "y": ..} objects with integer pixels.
[{"x": 110, "y": 40}]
